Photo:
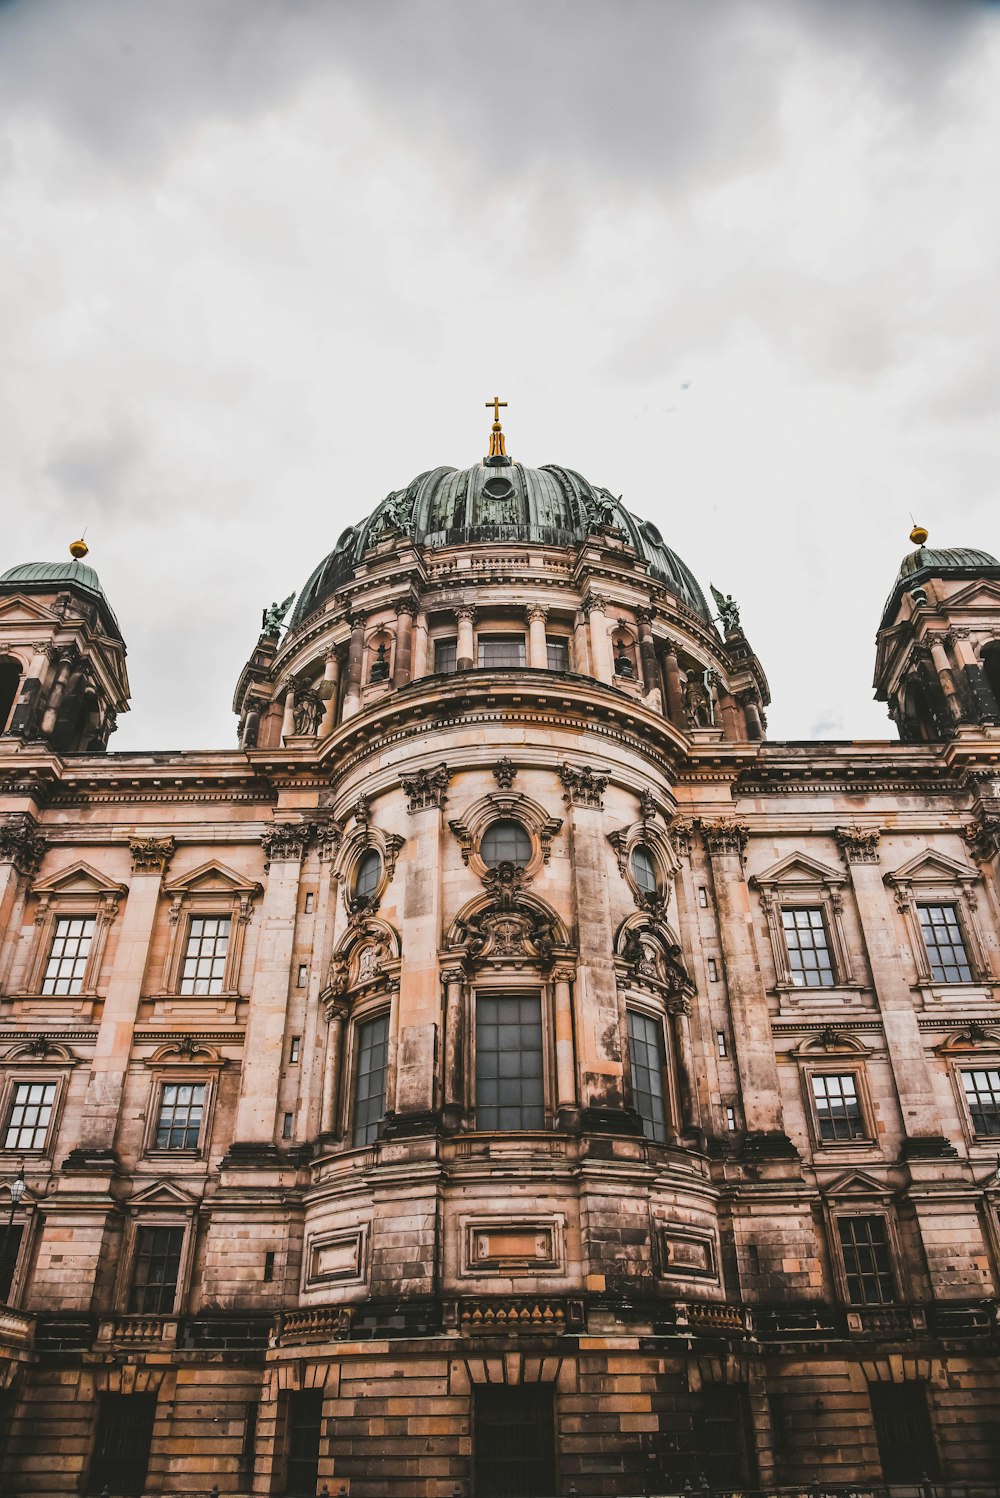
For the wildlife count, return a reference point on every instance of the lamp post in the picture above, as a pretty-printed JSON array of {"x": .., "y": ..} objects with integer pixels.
[{"x": 17, "y": 1188}]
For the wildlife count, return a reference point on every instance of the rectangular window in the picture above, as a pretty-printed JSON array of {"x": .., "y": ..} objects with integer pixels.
[
  {"x": 155, "y": 1271},
  {"x": 204, "y": 969},
  {"x": 982, "y": 1093},
  {"x": 808, "y": 949},
  {"x": 838, "y": 1108},
  {"x": 445, "y": 657},
  {"x": 946, "y": 952},
  {"x": 369, "y": 1085},
  {"x": 122, "y": 1443},
  {"x": 865, "y": 1246},
  {"x": 557, "y": 652},
  {"x": 509, "y": 1087},
  {"x": 499, "y": 651},
  {"x": 30, "y": 1116},
  {"x": 68, "y": 954},
  {"x": 182, "y": 1109},
  {"x": 303, "y": 1431},
  {"x": 645, "y": 1049},
  {"x": 11, "y": 1247}
]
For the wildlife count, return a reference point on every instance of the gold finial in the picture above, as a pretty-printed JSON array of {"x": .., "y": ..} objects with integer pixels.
[
  {"x": 497, "y": 448},
  {"x": 918, "y": 535},
  {"x": 78, "y": 549}
]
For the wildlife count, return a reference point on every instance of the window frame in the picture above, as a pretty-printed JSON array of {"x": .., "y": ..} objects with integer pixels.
[
  {"x": 210, "y": 891},
  {"x": 179, "y": 1215},
  {"x": 54, "y": 1065},
  {"x": 169, "y": 1065},
  {"x": 800, "y": 883},
  {"x": 360, "y": 1012},
  {"x": 970, "y": 1066},
  {"x": 501, "y": 989},
  {"x": 509, "y": 636},
  {"x": 934, "y": 879},
  {"x": 438, "y": 640},
  {"x": 10, "y": 1103},
  {"x": 840, "y": 1066},
  {"x": 71, "y": 893},
  {"x": 359, "y": 1023},
  {"x": 563, "y": 641},
  {"x": 841, "y": 1211},
  {"x": 954, "y": 906},
  {"x": 657, "y": 1019},
  {"x": 521, "y": 863}
]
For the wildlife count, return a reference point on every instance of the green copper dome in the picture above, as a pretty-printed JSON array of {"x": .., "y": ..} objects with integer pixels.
[
  {"x": 928, "y": 561},
  {"x": 53, "y": 577},
  {"x": 500, "y": 500}
]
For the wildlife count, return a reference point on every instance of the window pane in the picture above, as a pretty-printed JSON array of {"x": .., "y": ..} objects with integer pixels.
[
  {"x": 865, "y": 1247},
  {"x": 509, "y": 1084},
  {"x": 204, "y": 967},
  {"x": 645, "y": 1049},
  {"x": 369, "y": 1085},
  {"x": 154, "y": 1275},
  {"x": 982, "y": 1093},
  {"x": 949, "y": 962},
  {"x": 368, "y": 874},
  {"x": 445, "y": 656},
  {"x": 68, "y": 954},
  {"x": 557, "y": 651},
  {"x": 808, "y": 950},
  {"x": 501, "y": 650},
  {"x": 182, "y": 1107},
  {"x": 505, "y": 842},
  {"x": 838, "y": 1109},
  {"x": 30, "y": 1115},
  {"x": 644, "y": 870}
]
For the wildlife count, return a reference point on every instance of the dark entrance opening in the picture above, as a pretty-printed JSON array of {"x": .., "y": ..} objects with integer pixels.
[
  {"x": 10, "y": 682},
  {"x": 514, "y": 1441},
  {"x": 903, "y": 1431},
  {"x": 305, "y": 1421},
  {"x": 121, "y": 1446},
  {"x": 727, "y": 1453}
]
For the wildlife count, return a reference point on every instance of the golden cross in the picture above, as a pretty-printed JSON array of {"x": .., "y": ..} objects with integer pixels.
[{"x": 496, "y": 403}]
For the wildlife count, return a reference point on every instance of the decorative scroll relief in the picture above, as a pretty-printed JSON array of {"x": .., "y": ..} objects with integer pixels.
[
  {"x": 427, "y": 787},
  {"x": 508, "y": 926},
  {"x": 582, "y": 786},
  {"x": 21, "y": 843}
]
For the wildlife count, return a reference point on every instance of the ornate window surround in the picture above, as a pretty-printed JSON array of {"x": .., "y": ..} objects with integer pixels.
[
  {"x": 78, "y": 890},
  {"x": 363, "y": 837},
  {"x": 971, "y": 1049},
  {"x": 162, "y": 1204},
  {"x": 833, "y": 1053},
  {"x": 857, "y": 1194},
  {"x": 212, "y": 889},
  {"x": 648, "y": 833},
  {"x": 933, "y": 878},
  {"x": 351, "y": 974},
  {"x": 798, "y": 882},
  {"x": 498, "y": 806},
  {"x": 184, "y": 1060},
  {"x": 495, "y": 985},
  {"x": 36, "y": 1061}
]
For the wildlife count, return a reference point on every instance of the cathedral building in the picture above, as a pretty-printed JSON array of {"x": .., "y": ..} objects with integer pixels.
[{"x": 505, "y": 1072}]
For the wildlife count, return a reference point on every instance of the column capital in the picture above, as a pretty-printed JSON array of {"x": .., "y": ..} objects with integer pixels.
[
  {"x": 286, "y": 842},
  {"x": 858, "y": 844},
  {"x": 465, "y": 611},
  {"x": 582, "y": 786},
  {"x": 536, "y": 611},
  {"x": 983, "y": 836},
  {"x": 151, "y": 855},
  {"x": 407, "y": 605},
  {"x": 725, "y": 835},
  {"x": 645, "y": 615},
  {"x": 356, "y": 618},
  {"x": 563, "y": 973},
  {"x": 21, "y": 843},
  {"x": 595, "y": 603},
  {"x": 452, "y": 975},
  {"x": 427, "y": 787}
]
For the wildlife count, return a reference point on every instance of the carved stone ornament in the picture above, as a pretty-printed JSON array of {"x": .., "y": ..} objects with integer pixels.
[
  {"x": 725, "y": 835},
  {"x": 509, "y": 927},
  {"x": 308, "y": 712},
  {"x": 681, "y": 830},
  {"x": 21, "y": 843},
  {"x": 504, "y": 772},
  {"x": 151, "y": 855},
  {"x": 858, "y": 844},
  {"x": 983, "y": 837},
  {"x": 329, "y": 836},
  {"x": 596, "y": 603},
  {"x": 362, "y": 811},
  {"x": 284, "y": 842},
  {"x": 647, "y": 805},
  {"x": 427, "y": 788},
  {"x": 654, "y": 959},
  {"x": 582, "y": 786}
]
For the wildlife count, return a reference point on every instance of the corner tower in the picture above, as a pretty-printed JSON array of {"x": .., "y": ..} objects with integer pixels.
[{"x": 62, "y": 657}]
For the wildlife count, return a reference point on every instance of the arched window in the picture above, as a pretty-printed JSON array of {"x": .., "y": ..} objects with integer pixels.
[
  {"x": 10, "y": 682},
  {"x": 368, "y": 874},
  {"x": 505, "y": 842},
  {"x": 644, "y": 870}
]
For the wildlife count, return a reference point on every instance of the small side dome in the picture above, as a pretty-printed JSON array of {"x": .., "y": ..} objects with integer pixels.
[
  {"x": 55, "y": 577},
  {"x": 932, "y": 561}
]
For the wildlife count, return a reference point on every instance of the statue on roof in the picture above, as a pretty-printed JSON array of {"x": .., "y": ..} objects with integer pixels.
[
  {"x": 729, "y": 609},
  {"x": 273, "y": 618}
]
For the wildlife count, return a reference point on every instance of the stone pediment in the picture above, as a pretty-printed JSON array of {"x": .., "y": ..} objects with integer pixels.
[
  {"x": 932, "y": 867},
  {"x": 798, "y": 869},
  {"x": 20, "y": 607},
  {"x": 163, "y": 1194},
  {"x": 857, "y": 1183},
  {"x": 78, "y": 879},
  {"x": 980, "y": 593},
  {"x": 212, "y": 878}
]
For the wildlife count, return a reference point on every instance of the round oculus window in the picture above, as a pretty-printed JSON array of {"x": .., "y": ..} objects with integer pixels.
[
  {"x": 498, "y": 488},
  {"x": 367, "y": 874},
  {"x": 644, "y": 870},
  {"x": 505, "y": 842}
]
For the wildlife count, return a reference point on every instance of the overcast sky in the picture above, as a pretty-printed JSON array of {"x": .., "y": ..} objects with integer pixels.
[{"x": 262, "y": 261}]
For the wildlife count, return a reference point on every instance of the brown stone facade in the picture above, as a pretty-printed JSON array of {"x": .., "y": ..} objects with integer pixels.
[{"x": 514, "y": 1074}]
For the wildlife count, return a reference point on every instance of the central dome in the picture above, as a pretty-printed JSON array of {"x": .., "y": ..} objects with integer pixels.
[{"x": 500, "y": 500}]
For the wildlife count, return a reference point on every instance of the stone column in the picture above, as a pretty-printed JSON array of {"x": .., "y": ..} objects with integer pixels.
[
  {"x": 21, "y": 851},
  {"x": 420, "y": 646},
  {"x": 355, "y": 665},
  {"x": 465, "y": 614},
  {"x": 581, "y": 645},
  {"x": 680, "y": 1024},
  {"x": 251, "y": 724},
  {"x": 67, "y": 662},
  {"x": 150, "y": 860},
  {"x": 648, "y": 662},
  {"x": 675, "y": 687},
  {"x": 453, "y": 1090},
  {"x": 598, "y": 1020},
  {"x": 336, "y": 1015},
  {"x": 288, "y": 717},
  {"x": 405, "y": 610},
  {"x": 320, "y": 997},
  {"x": 27, "y": 710},
  {"x": 284, "y": 848},
  {"x": 566, "y": 1093},
  {"x": 725, "y": 840},
  {"x": 751, "y": 711},
  {"x": 732, "y": 727},
  {"x": 538, "y": 654},
  {"x": 331, "y": 678},
  {"x": 977, "y": 688},
  {"x": 942, "y": 666},
  {"x": 907, "y": 1056},
  {"x": 601, "y": 654}
]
